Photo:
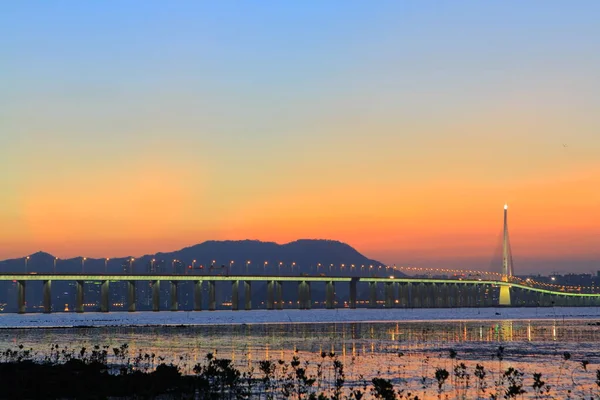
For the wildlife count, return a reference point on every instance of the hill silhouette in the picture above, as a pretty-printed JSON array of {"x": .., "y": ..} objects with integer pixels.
[
  {"x": 243, "y": 256},
  {"x": 253, "y": 257}
]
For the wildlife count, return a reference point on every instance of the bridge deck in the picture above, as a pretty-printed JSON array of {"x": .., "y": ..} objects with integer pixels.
[{"x": 266, "y": 278}]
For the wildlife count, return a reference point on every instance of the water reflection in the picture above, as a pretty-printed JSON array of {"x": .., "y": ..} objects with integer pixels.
[{"x": 396, "y": 349}]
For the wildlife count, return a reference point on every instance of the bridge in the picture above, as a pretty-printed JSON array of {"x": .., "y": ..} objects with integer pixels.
[
  {"x": 398, "y": 292},
  {"x": 460, "y": 289}
]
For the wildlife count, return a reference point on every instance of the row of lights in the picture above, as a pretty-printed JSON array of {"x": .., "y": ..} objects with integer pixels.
[
  {"x": 528, "y": 281},
  {"x": 231, "y": 263}
]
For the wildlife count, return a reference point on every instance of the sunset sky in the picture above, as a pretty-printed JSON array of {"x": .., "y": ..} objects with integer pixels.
[{"x": 401, "y": 128}]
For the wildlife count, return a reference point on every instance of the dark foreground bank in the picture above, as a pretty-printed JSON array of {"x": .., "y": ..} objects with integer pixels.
[{"x": 88, "y": 374}]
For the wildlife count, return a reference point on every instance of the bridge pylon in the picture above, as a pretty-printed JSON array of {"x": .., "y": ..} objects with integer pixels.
[{"x": 507, "y": 264}]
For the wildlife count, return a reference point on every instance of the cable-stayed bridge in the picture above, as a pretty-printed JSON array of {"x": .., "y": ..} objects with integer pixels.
[{"x": 440, "y": 288}]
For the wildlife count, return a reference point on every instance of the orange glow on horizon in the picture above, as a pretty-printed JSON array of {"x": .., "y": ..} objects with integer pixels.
[{"x": 546, "y": 217}]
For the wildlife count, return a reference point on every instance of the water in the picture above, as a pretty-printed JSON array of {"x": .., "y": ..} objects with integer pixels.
[{"x": 402, "y": 345}]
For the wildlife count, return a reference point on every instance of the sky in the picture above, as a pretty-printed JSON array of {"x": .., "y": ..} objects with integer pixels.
[{"x": 401, "y": 128}]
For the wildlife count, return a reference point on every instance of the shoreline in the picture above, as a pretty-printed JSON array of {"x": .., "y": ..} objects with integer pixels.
[{"x": 262, "y": 317}]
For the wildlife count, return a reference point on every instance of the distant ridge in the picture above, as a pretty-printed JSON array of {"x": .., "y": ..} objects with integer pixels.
[{"x": 300, "y": 256}]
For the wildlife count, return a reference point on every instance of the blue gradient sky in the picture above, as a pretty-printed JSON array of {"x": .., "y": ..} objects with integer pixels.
[{"x": 398, "y": 127}]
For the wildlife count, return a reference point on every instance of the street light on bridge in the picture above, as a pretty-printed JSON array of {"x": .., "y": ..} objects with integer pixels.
[
  {"x": 83, "y": 264},
  {"x": 106, "y": 265},
  {"x": 54, "y": 262}
]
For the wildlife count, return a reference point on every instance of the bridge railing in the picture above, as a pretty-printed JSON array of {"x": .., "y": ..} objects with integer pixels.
[{"x": 447, "y": 273}]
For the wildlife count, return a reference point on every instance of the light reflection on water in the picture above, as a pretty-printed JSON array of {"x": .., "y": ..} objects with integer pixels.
[{"x": 406, "y": 350}]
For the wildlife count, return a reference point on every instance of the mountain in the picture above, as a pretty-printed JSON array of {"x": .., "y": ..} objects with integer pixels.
[{"x": 310, "y": 256}]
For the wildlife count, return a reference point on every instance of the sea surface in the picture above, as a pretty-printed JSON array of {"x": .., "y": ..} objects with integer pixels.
[{"x": 403, "y": 345}]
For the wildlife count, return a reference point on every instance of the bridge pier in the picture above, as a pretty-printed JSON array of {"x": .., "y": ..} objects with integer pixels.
[
  {"x": 248, "y": 295},
  {"x": 156, "y": 295},
  {"x": 304, "y": 300},
  {"x": 301, "y": 295},
  {"x": 131, "y": 296},
  {"x": 468, "y": 296},
  {"x": 534, "y": 299},
  {"x": 489, "y": 302},
  {"x": 448, "y": 295},
  {"x": 212, "y": 296},
  {"x": 409, "y": 295},
  {"x": 21, "y": 307},
  {"x": 401, "y": 290},
  {"x": 457, "y": 295},
  {"x": 79, "y": 296},
  {"x": 174, "y": 296},
  {"x": 474, "y": 294},
  {"x": 198, "y": 296},
  {"x": 330, "y": 293},
  {"x": 422, "y": 293},
  {"x": 270, "y": 295},
  {"x": 403, "y": 295},
  {"x": 480, "y": 295},
  {"x": 389, "y": 294},
  {"x": 504, "y": 299},
  {"x": 279, "y": 293},
  {"x": 461, "y": 297},
  {"x": 528, "y": 297},
  {"x": 235, "y": 295},
  {"x": 430, "y": 295},
  {"x": 47, "y": 294},
  {"x": 372, "y": 294},
  {"x": 439, "y": 291},
  {"x": 453, "y": 295},
  {"x": 434, "y": 295},
  {"x": 416, "y": 295},
  {"x": 104, "y": 297},
  {"x": 353, "y": 283},
  {"x": 541, "y": 300},
  {"x": 445, "y": 295}
]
